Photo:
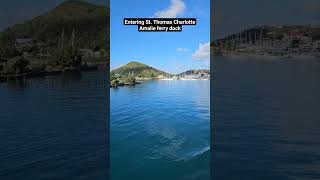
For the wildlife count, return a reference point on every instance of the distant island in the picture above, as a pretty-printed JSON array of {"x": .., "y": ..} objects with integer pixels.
[
  {"x": 72, "y": 36},
  {"x": 271, "y": 41},
  {"x": 135, "y": 73}
]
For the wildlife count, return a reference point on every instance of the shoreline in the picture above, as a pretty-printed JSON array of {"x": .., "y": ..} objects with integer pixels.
[
  {"x": 183, "y": 79},
  {"x": 165, "y": 79},
  {"x": 29, "y": 75},
  {"x": 269, "y": 56}
]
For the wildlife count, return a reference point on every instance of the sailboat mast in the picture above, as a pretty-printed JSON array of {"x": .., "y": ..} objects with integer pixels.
[
  {"x": 255, "y": 38},
  {"x": 61, "y": 48},
  {"x": 72, "y": 39},
  {"x": 261, "y": 36}
]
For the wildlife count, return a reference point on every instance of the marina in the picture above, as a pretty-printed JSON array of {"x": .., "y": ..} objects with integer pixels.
[
  {"x": 49, "y": 60},
  {"x": 272, "y": 42}
]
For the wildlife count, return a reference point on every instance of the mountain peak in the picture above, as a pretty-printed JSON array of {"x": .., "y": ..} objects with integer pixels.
[
  {"x": 134, "y": 63},
  {"x": 138, "y": 69},
  {"x": 75, "y": 2},
  {"x": 74, "y": 7},
  {"x": 89, "y": 21}
]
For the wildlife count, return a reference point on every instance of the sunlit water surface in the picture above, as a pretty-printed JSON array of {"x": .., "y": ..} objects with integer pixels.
[{"x": 160, "y": 130}]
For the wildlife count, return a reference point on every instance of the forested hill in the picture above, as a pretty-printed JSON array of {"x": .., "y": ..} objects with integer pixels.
[
  {"x": 139, "y": 70},
  {"x": 89, "y": 22}
]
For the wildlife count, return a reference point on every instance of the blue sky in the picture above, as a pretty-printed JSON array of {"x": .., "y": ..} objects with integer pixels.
[
  {"x": 173, "y": 52},
  {"x": 160, "y": 49},
  {"x": 231, "y": 16}
]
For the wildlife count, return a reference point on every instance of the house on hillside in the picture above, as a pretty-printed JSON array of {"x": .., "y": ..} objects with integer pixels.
[
  {"x": 175, "y": 78},
  {"x": 24, "y": 42},
  {"x": 89, "y": 53},
  {"x": 160, "y": 77},
  {"x": 86, "y": 52}
]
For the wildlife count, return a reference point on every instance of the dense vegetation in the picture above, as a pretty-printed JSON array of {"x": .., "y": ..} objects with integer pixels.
[
  {"x": 138, "y": 70},
  {"x": 59, "y": 34},
  {"x": 127, "y": 74},
  {"x": 90, "y": 22}
]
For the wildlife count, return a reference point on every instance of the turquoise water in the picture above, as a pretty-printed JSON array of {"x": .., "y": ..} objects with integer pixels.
[{"x": 160, "y": 130}]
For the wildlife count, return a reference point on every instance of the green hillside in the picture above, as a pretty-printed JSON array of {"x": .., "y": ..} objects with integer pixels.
[
  {"x": 138, "y": 70},
  {"x": 90, "y": 23}
]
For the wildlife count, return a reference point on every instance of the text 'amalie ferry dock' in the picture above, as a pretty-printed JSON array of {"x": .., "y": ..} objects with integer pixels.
[{"x": 167, "y": 21}]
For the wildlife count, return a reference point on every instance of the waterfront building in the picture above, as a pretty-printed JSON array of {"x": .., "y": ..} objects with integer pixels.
[{"x": 160, "y": 77}]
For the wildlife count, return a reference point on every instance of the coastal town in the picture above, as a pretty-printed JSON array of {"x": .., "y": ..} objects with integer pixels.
[
  {"x": 28, "y": 57},
  {"x": 136, "y": 73},
  {"x": 188, "y": 75},
  {"x": 272, "y": 41},
  {"x": 129, "y": 80},
  {"x": 55, "y": 42}
]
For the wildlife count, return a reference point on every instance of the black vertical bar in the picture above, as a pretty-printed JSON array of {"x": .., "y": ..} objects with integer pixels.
[
  {"x": 211, "y": 88},
  {"x": 108, "y": 94}
]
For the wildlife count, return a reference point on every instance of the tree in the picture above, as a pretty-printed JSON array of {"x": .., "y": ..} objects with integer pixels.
[
  {"x": 20, "y": 66},
  {"x": 6, "y": 51},
  {"x": 17, "y": 65},
  {"x": 115, "y": 82},
  {"x": 153, "y": 75}
]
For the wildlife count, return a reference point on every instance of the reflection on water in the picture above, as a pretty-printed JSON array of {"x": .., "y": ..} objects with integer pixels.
[
  {"x": 160, "y": 130},
  {"x": 266, "y": 119},
  {"x": 54, "y": 127}
]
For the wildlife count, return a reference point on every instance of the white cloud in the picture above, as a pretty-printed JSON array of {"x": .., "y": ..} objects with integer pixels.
[
  {"x": 176, "y": 8},
  {"x": 182, "y": 50},
  {"x": 203, "y": 52}
]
